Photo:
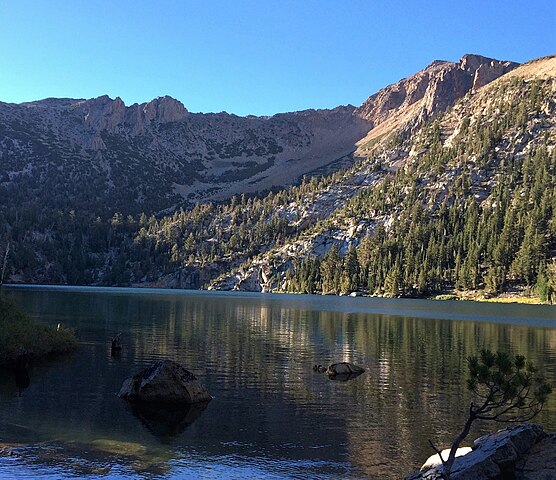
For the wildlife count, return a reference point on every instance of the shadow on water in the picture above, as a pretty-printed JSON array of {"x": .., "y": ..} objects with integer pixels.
[
  {"x": 15, "y": 374},
  {"x": 13, "y": 381},
  {"x": 18, "y": 374},
  {"x": 22, "y": 379},
  {"x": 166, "y": 422}
]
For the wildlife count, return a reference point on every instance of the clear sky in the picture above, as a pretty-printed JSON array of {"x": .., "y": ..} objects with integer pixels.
[{"x": 252, "y": 56}]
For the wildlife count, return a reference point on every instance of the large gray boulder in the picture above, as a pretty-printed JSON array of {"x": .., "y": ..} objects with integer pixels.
[
  {"x": 513, "y": 452},
  {"x": 166, "y": 382},
  {"x": 540, "y": 461}
]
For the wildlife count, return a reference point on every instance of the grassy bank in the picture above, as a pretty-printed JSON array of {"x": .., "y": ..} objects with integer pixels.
[
  {"x": 18, "y": 332},
  {"x": 521, "y": 295},
  {"x": 524, "y": 300}
]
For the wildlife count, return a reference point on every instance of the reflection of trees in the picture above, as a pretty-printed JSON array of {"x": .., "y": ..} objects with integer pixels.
[
  {"x": 414, "y": 388},
  {"x": 256, "y": 355},
  {"x": 419, "y": 372}
]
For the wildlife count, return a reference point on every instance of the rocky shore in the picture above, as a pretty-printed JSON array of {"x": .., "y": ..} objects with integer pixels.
[{"x": 523, "y": 452}]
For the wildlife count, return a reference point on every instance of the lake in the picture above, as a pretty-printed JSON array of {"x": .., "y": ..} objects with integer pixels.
[{"x": 271, "y": 416}]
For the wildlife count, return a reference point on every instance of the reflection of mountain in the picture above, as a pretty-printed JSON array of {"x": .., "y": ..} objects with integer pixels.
[{"x": 255, "y": 355}]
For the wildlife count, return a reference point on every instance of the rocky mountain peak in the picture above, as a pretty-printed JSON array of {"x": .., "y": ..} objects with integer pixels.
[
  {"x": 102, "y": 113},
  {"x": 432, "y": 90},
  {"x": 164, "y": 109},
  {"x": 471, "y": 62},
  {"x": 484, "y": 69}
]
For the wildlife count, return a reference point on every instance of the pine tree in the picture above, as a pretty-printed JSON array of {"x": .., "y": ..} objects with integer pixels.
[
  {"x": 331, "y": 270},
  {"x": 350, "y": 271}
]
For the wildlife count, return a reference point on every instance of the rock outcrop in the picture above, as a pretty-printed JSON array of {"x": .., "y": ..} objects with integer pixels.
[
  {"x": 104, "y": 113},
  {"x": 432, "y": 90},
  {"x": 524, "y": 452},
  {"x": 164, "y": 382}
]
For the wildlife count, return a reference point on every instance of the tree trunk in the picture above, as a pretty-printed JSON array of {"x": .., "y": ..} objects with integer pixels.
[
  {"x": 455, "y": 445},
  {"x": 4, "y": 263}
]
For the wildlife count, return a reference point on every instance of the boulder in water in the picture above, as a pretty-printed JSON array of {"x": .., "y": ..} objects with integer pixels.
[
  {"x": 344, "y": 371},
  {"x": 165, "y": 381},
  {"x": 522, "y": 452}
]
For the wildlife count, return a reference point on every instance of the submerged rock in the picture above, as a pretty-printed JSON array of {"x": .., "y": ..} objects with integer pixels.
[
  {"x": 344, "y": 369},
  {"x": 319, "y": 369},
  {"x": 165, "y": 382}
]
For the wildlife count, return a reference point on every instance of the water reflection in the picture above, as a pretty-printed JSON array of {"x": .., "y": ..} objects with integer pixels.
[
  {"x": 271, "y": 412},
  {"x": 168, "y": 422},
  {"x": 14, "y": 381},
  {"x": 22, "y": 379}
]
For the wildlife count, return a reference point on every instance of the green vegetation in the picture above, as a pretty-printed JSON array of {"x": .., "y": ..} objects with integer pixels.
[
  {"x": 505, "y": 390},
  {"x": 461, "y": 218},
  {"x": 19, "y": 333},
  {"x": 462, "y": 244},
  {"x": 475, "y": 214}
]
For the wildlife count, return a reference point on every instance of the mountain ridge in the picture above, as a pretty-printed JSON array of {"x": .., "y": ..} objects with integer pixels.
[
  {"x": 258, "y": 240},
  {"x": 195, "y": 157}
]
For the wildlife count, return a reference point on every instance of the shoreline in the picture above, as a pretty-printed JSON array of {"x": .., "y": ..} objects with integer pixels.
[{"x": 479, "y": 296}]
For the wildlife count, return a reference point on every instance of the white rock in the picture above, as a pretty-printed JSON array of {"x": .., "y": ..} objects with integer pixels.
[{"x": 434, "y": 460}]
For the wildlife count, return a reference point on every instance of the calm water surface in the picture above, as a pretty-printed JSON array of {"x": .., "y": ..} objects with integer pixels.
[{"x": 272, "y": 416}]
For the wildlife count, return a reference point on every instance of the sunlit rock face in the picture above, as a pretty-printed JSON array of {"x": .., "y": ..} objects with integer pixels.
[{"x": 433, "y": 89}]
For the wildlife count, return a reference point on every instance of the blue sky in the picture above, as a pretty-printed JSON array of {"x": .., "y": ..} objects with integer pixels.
[{"x": 252, "y": 56}]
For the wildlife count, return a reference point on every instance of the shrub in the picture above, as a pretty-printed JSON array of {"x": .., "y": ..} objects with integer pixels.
[{"x": 19, "y": 333}]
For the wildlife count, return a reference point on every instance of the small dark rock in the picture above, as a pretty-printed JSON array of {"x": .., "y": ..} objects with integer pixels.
[{"x": 344, "y": 369}]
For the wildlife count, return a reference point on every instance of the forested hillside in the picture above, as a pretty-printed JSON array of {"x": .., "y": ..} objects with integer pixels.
[
  {"x": 467, "y": 202},
  {"x": 440, "y": 201}
]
